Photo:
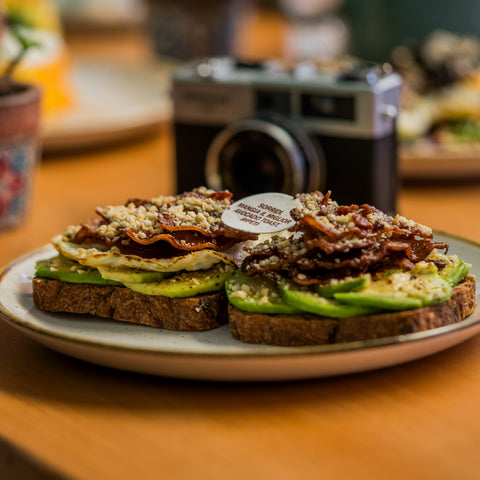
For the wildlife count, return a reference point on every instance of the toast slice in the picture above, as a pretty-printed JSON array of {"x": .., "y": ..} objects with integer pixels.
[
  {"x": 291, "y": 330},
  {"x": 200, "y": 312}
]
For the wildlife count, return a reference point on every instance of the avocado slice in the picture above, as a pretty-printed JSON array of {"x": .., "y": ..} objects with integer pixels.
[
  {"x": 455, "y": 271},
  {"x": 305, "y": 299},
  {"x": 402, "y": 290},
  {"x": 66, "y": 270},
  {"x": 380, "y": 300},
  {"x": 256, "y": 294},
  {"x": 349, "y": 284},
  {"x": 48, "y": 269},
  {"x": 130, "y": 275},
  {"x": 186, "y": 284}
]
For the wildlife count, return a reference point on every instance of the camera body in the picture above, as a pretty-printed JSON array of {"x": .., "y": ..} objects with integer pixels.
[{"x": 253, "y": 128}]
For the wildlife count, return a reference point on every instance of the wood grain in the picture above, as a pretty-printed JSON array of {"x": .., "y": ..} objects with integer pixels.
[
  {"x": 411, "y": 421},
  {"x": 414, "y": 421}
]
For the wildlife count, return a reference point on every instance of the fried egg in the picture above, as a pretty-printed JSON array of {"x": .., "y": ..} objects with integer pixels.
[{"x": 97, "y": 257}]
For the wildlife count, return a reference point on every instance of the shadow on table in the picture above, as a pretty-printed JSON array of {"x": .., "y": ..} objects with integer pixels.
[
  {"x": 15, "y": 464},
  {"x": 55, "y": 377}
]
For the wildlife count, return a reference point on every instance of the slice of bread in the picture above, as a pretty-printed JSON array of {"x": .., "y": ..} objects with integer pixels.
[
  {"x": 290, "y": 330},
  {"x": 201, "y": 312}
]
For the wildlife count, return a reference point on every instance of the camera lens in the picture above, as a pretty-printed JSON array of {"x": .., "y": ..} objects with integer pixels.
[
  {"x": 252, "y": 162},
  {"x": 263, "y": 155}
]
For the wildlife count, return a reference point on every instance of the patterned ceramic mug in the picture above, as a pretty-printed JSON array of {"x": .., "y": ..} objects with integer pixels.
[{"x": 19, "y": 152}]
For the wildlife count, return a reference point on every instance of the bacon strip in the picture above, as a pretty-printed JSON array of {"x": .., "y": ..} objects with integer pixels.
[
  {"x": 170, "y": 225},
  {"x": 335, "y": 241},
  {"x": 186, "y": 240}
]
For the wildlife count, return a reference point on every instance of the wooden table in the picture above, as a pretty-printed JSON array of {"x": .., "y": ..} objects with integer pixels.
[{"x": 63, "y": 418}]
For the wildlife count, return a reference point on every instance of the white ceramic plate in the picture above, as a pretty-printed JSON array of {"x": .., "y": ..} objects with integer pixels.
[
  {"x": 214, "y": 355},
  {"x": 114, "y": 101}
]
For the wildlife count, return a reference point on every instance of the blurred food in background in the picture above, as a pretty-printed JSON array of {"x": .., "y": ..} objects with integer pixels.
[
  {"x": 441, "y": 93},
  {"x": 439, "y": 121},
  {"x": 48, "y": 65}
]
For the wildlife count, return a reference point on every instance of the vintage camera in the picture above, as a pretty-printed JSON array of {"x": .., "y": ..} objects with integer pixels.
[{"x": 253, "y": 128}]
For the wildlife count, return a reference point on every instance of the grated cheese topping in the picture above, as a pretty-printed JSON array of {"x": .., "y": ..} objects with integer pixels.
[
  {"x": 263, "y": 295},
  {"x": 292, "y": 248},
  {"x": 325, "y": 213},
  {"x": 129, "y": 217},
  {"x": 193, "y": 209}
]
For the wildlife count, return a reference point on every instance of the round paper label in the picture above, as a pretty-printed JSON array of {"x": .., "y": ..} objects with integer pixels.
[{"x": 261, "y": 213}]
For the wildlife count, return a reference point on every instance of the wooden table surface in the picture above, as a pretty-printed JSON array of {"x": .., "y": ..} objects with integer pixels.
[{"x": 61, "y": 417}]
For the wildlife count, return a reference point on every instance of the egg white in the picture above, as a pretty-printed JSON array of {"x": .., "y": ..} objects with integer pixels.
[{"x": 97, "y": 257}]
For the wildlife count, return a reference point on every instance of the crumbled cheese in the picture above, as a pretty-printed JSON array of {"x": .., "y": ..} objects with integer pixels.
[
  {"x": 311, "y": 204},
  {"x": 405, "y": 222},
  {"x": 264, "y": 300},
  {"x": 242, "y": 294},
  {"x": 128, "y": 217},
  {"x": 71, "y": 231},
  {"x": 146, "y": 220},
  {"x": 435, "y": 255}
]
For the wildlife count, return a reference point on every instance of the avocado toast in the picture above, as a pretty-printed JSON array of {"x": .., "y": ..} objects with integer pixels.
[
  {"x": 346, "y": 273},
  {"x": 160, "y": 262}
]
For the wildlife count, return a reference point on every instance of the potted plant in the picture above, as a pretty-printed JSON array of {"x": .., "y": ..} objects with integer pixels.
[{"x": 19, "y": 125}]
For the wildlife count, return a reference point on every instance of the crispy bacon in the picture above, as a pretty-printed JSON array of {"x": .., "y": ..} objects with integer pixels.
[
  {"x": 186, "y": 240},
  {"x": 166, "y": 222},
  {"x": 156, "y": 250},
  {"x": 85, "y": 236},
  {"x": 335, "y": 241},
  {"x": 167, "y": 225},
  {"x": 221, "y": 195}
]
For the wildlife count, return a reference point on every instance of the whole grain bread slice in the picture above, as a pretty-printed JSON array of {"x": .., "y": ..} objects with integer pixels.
[
  {"x": 290, "y": 330},
  {"x": 201, "y": 312}
]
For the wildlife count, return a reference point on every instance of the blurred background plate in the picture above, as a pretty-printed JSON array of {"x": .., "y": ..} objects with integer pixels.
[
  {"x": 114, "y": 102},
  {"x": 430, "y": 162},
  {"x": 102, "y": 14}
]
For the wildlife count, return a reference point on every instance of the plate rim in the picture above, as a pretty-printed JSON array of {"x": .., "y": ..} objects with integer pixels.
[
  {"x": 57, "y": 138},
  {"x": 256, "y": 351}
]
